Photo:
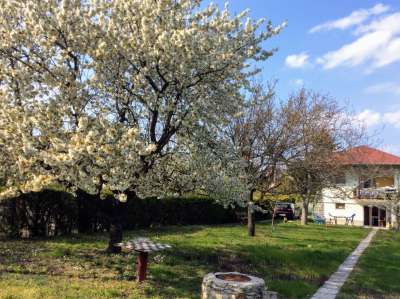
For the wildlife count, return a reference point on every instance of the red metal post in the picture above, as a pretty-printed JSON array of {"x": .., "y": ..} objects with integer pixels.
[{"x": 142, "y": 261}]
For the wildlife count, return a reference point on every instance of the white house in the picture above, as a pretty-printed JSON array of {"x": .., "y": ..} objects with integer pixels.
[{"x": 370, "y": 179}]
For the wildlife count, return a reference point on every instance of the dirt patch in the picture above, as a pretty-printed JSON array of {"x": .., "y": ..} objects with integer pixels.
[
  {"x": 290, "y": 277},
  {"x": 231, "y": 262}
]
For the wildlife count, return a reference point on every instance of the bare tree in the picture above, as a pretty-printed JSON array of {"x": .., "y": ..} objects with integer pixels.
[
  {"x": 260, "y": 138},
  {"x": 320, "y": 129}
]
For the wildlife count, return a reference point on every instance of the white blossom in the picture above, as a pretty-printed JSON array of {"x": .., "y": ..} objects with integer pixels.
[{"x": 98, "y": 95}]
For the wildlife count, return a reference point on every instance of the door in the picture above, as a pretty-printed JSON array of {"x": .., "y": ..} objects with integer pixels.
[
  {"x": 366, "y": 215},
  {"x": 382, "y": 217},
  {"x": 375, "y": 216}
]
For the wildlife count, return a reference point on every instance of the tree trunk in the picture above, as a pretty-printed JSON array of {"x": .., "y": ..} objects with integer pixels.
[
  {"x": 251, "y": 225},
  {"x": 84, "y": 220},
  {"x": 273, "y": 217},
  {"x": 306, "y": 199},
  {"x": 304, "y": 212},
  {"x": 115, "y": 237},
  {"x": 116, "y": 215}
]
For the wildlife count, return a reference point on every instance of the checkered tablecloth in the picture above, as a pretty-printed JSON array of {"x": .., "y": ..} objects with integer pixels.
[{"x": 143, "y": 245}]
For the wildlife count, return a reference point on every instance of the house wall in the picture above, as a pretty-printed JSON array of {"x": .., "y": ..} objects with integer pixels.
[
  {"x": 352, "y": 206},
  {"x": 397, "y": 179},
  {"x": 351, "y": 179}
]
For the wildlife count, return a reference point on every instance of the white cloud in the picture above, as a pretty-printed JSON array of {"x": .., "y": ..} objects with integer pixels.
[
  {"x": 378, "y": 45},
  {"x": 298, "y": 82},
  {"x": 370, "y": 118},
  {"x": 380, "y": 24},
  {"x": 392, "y": 118},
  {"x": 367, "y": 118},
  {"x": 297, "y": 60},
  {"x": 357, "y": 17},
  {"x": 390, "y": 54},
  {"x": 385, "y": 87}
]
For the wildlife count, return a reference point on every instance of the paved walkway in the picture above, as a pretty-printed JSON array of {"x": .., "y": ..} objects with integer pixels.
[{"x": 332, "y": 286}]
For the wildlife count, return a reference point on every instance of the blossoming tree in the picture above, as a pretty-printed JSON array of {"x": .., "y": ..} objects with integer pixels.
[{"x": 94, "y": 94}]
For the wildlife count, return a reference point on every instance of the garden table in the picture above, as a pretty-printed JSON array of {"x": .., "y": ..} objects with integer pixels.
[
  {"x": 143, "y": 246},
  {"x": 340, "y": 217},
  {"x": 335, "y": 218}
]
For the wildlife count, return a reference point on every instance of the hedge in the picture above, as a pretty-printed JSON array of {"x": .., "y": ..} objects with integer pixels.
[{"x": 52, "y": 212}]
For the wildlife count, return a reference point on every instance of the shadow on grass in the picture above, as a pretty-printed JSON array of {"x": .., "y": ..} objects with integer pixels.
[
  {"x": 287, "y": 258},
  {"x": 296, "y": 275}
]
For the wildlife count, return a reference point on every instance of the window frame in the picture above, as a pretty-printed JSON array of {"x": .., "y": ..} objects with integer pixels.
[
  {"x": 341, "y": 179},
  {"x": 340, "y": 206}
]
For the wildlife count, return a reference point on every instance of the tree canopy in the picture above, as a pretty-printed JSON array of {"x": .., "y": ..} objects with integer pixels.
[{"x": 95, "y": 94}]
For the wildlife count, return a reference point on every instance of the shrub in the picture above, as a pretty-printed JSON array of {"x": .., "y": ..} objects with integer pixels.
[
  {"x": 48, "y": 212},
  {"x": 54, "y": 212}
]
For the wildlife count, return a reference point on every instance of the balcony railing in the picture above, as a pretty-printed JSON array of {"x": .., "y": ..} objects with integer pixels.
[{"x": 376, "y": 193}]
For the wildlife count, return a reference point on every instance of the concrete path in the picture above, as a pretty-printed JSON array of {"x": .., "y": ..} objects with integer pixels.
[{"x": 332, "y": 286}]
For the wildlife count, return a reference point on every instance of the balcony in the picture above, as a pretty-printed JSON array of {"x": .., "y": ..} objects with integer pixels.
[{"x": 376, "y": 193}]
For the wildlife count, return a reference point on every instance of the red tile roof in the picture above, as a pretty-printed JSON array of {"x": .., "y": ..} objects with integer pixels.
[{"x": 364, "y": 155}]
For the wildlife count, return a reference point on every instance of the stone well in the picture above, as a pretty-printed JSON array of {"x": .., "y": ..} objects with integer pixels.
[{"x": 233, "y": 285}]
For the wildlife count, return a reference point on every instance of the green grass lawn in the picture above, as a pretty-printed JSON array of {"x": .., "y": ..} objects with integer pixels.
[
  {"x": 294, "y": 261},
  {"x": 377, "y": 274}
]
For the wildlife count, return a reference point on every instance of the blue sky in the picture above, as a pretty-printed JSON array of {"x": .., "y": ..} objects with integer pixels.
[{"x": 349, "y": 49}]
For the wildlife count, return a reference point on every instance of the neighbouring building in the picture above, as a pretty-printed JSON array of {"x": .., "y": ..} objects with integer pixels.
[{"x": 366, "y": 188}]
